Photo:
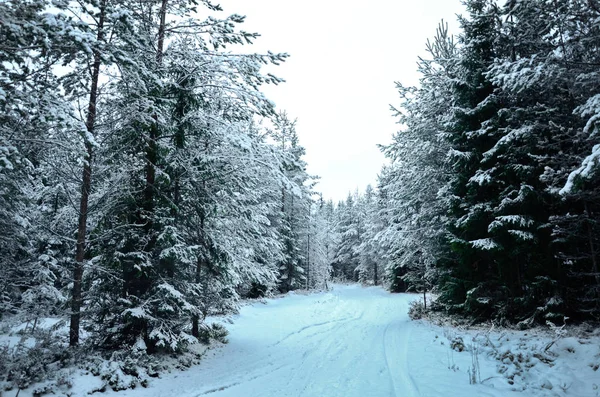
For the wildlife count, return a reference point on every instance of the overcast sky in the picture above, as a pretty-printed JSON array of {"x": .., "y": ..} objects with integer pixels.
[{"x": 344, "y": 58}]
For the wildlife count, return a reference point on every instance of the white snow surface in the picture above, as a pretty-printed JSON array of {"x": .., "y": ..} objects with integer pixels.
[
  {"x": 351, "y": 341},
  {"x": 356, "y": 342}
]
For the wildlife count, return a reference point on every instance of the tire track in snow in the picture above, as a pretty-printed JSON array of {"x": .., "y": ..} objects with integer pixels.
[
  {"x": 240, "y": 382},
  {"x": 308, "y": 327},
  {"x": 335, "y": 347},
  {"x": 275, "y": 354},
  {"x": 402, "y": 382},
  {"x": 331, "y": 344},
  {"x": 387, "y": 362}
]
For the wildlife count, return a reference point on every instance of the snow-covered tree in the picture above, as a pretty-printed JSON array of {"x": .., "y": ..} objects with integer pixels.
[
  {"x": 295, "y": 203},
  {"x": 492, "y": 184},
  {"x": 36, "y": 122},
  {"x": 349, "y": 226},
  {"x": 319, "y": 240},
  {"x": 413, "y": 203},
  {"x": 369, "y": 250}
]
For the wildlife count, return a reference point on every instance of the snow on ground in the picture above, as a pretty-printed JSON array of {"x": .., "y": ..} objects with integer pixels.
[
  {"x": 18, "y": 333},
  {"x": 359, "y": 342},
  {"x": 537, "y": 362}
]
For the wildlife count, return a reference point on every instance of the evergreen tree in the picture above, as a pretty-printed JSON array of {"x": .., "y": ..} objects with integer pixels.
[
  {"x": 294, "y": 219},
  {"x": 182, "y": 232},
  {"x": 349, "y": 228},
  {"x": 412, "y": 188},
  {"x": 513, "y": 106},
  {"x": 35, "y": 122},
  {"x": 318, "y": 239},
  {"x": 368, "y": 251}
]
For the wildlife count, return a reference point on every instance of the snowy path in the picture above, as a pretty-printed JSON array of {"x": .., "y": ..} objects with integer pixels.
[{"x": 348, "y": 342}]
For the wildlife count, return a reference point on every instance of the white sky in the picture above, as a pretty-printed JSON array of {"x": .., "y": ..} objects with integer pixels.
[{"x": 344, "y": 58}]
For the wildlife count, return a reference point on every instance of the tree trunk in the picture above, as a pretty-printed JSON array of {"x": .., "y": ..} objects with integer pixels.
[
  {"x": 592, "y": 246},
  {"x": 308, "y": 256},
  {"x": 375, "y": 275},
  {"x": 161, "y": 32},
  {"x": 151, "y": 154},
  {"x": 195, "y": 317},
  {"x": 198, "y": 278},
  {"x": 151, "y": 151},
  {"x": 86, "y": 184}
]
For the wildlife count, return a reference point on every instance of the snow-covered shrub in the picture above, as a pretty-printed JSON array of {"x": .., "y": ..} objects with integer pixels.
[
  {"x": 24, "y": 365},
  {"x": 131, "y": 367},
  {"x": 125, "y": 369},
  {"x": 480, "y": 300},
  {"x": 457, "y": 343},
  {"x": 118, "y": 375},
  {"x": 4, "y": 363},
  {"x": 62, "y": 383},
  {"x": 214, "y": 331},
  {"x": 416, "y": 310},
  {"x": 255, "y": 291}
]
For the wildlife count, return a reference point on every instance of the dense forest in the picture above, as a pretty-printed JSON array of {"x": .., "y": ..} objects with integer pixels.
[
  {"x": 147, "y": 183},
  {"x": 492, "y": 195}
]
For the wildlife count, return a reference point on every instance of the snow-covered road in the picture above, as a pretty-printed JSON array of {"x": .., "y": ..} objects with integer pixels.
[
  {"x": 348, "y": 342},
  {"x": 341, "y": 343}
]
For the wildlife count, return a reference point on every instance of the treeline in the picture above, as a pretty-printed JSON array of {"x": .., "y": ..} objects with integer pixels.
[
  {"x": 145, "y": 180},
  {"x": 492, "y": 194}
]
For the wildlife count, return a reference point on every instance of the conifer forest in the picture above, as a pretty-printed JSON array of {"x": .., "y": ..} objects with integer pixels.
[{"x": 148, "y": 184}]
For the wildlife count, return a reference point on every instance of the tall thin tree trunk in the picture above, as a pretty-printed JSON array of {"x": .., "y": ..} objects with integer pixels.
[
  {"x": 291, "y": 267},
  {"x": 592, "y": 246},
  {"x": 375, "y": 275},
  {"x": 308, "y": 253},
  {"x": 161, "y": 32},
  {"x": 513, "y": 51},
  {"x": 86, "y": 185},
  {"x": 151, "y": 151},
  {"x": 195, "y": 317},
  {"x": 152, "y": 147},
  {"x": 198, "y": 278}
]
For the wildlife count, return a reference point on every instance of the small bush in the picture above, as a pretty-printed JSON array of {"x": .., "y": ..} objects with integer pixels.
[
  {"x": 24, "y": 365},
  {"x": 457, "y": 343},
  {"x": 125, "y": 369},
  {"x": 214, "y": 331},
  {"x": 257, "y": 291},
  {"x": 416, "y": 310}
]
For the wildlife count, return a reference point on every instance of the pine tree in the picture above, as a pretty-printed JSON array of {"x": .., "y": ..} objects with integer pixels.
[
  {"x": 349, "y": 228},
  {"x": 413, "y": 197},
  {"x": 368, "y": 251},
  {"x": 35, "y": 122},
  {"x": 543, "y": 136},
  {"x": 176, "y": 238},
  {"x": 294, "y": 219},
  {"x": 318, "y": 239}
]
